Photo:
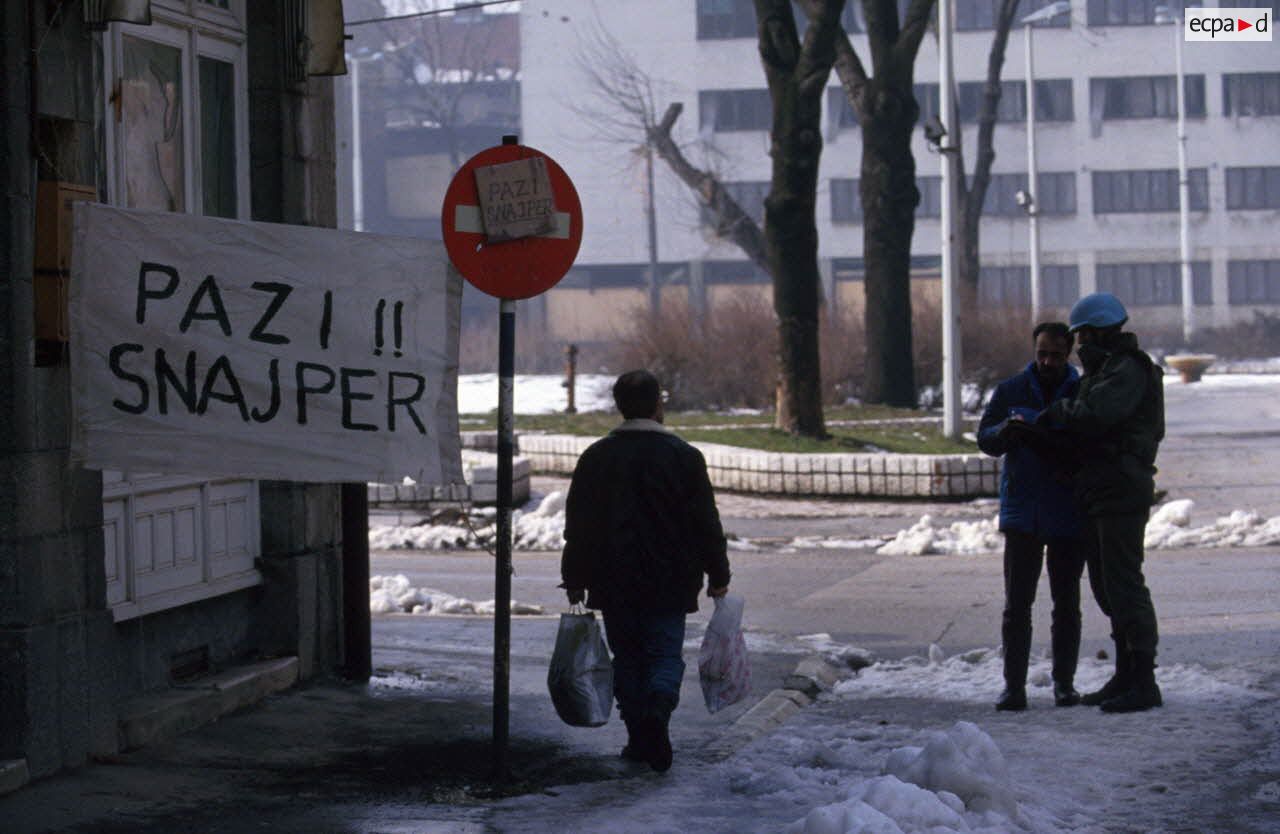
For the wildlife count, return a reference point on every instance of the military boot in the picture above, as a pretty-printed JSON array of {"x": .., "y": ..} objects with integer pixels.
[
  {"x": 1143, "y": 693},
  {"x": 1119, "y": 681},
  {"x": 1017, "y": 655}
]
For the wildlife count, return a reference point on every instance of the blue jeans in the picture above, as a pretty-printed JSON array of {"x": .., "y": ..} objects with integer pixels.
[{"x": 647, "y": 661}]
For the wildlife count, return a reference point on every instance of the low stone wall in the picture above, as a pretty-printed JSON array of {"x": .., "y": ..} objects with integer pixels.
[
  {"x": 481, "y": 472},
  {"x": 777, "y": 473}
]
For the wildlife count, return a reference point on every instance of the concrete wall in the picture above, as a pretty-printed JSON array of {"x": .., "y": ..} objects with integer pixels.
[{"x": 66, "y": 669}]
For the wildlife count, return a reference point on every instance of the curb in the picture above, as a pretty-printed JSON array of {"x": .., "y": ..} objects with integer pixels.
[
  {"x": 812, "y": 676},
  {"x": 150, "y": 718},
  {"x": 13, "y": 775}
]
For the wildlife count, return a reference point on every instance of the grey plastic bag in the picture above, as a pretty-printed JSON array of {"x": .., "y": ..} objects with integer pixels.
[{"x": 581, "y": 676}]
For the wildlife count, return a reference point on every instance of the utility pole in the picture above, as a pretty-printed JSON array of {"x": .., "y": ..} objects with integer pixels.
[{"x": 951, "y": 406}]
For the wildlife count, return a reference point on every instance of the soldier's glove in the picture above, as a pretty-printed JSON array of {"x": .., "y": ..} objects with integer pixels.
[{"x": 575, "y": 595}]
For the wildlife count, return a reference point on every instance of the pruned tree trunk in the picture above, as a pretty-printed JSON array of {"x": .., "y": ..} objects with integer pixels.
[
  {"x": 797, "y": 75},
  {"x": 889, "y": 200},
  {"x": 887, "y": 110}
]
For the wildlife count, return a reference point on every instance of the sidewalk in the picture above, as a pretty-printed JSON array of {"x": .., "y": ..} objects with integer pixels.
[{"x": 410, "y": 752}]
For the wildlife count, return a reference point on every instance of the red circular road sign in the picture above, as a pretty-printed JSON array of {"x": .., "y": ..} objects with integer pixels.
[{"x": 518, "y": 268}]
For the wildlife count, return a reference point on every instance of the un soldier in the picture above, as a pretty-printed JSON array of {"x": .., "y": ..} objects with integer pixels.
[{"x": 1118, "y": 416}]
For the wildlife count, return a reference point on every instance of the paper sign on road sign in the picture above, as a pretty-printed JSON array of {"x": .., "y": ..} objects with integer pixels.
[{"x": 510, "y": 268}]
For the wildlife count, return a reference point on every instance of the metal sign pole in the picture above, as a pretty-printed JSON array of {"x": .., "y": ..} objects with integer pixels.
[
  {"x": 502, "y": 570},
  {"x": 503, "y": 567}
]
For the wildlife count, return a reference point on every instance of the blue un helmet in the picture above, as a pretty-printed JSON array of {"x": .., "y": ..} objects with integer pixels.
[{"x": 1099, "y": 310}]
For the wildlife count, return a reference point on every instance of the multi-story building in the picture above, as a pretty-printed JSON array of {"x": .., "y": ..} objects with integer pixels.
[
  {"x": 114, "y": 585},
  {"x": 1106, "y": 144}
]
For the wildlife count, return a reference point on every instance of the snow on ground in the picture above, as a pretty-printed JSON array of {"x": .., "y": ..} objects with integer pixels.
[
  {"x": 395, "y": 595},
  {"x": 535, "y": 393},
  {"x": 542, "y": 528},
  {"x": 912, "y": 747}
]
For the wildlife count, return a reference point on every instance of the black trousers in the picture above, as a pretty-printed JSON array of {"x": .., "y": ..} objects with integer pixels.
[
  {"x": 1117, "y": 551},
  {"x": 1024, "y": 554}
]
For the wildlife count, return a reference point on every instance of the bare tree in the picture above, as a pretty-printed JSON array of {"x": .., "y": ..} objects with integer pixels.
[
  {"x": 797, "y": 74},
  {"x": 451, "y": 71},
  {"x": 787, "y": 247},
  {"x": 887, "y": 112},
  {"x": 973, "y": 190}
]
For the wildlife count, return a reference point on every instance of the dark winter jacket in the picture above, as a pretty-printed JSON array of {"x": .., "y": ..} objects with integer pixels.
[
  {"x": 1117, "y": 416},
  {"x": 1035, "y": 493},
  {"x": 641, "y": 526}
]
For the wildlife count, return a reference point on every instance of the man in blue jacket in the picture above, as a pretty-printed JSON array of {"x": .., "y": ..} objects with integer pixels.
[{"x": 1037, "y": 516}]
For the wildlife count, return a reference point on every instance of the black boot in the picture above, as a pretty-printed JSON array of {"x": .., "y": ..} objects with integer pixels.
[
  {"x": 1064, "y": 694},
  {"x": 1066, "y": 651},
  {"x": 1143, "y": 693},
  {"x": 634, "y": 751},
  {"x": 1017, "y": 654},
  {"x": 1119, "y": 681},
  {"x": 657, "y": 739}
]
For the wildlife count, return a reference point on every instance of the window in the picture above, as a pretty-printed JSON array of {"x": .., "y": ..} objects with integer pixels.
[
  {"x": 723, "y": 19},
  {"x": 1253, "y": 188},
  {"x": 177, "y": 139},
  {"x": 1144, "y": 97},
  {"x": 978, "y": 15},
  {"x": 749, "y": 195},
  {"x": 927, "y": 97},
  {"x": 1251, "y": 94},
  {"x": 1253, "y": 282},
  {"x": 1059, "y": 285},
  {"x": 1125, "y": 12},
  {"x": 1011, "y": 285},
  {"x": 846, "y": 200},
  {"x": 839, "y": 110},
  {"x": 1053, "y": 101},
  {"x": 1119, "y": 192},
  {"x": 1153, "y": 284},
  {"x": 1057, "y": 194},
  {"x": 179, "y": 136},
  {"x": 730, "y": 110},
  {"x": 733, "y": 272}
]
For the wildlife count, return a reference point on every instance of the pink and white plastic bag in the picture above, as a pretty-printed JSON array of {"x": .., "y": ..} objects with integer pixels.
[{"x": 722, "y": 660}]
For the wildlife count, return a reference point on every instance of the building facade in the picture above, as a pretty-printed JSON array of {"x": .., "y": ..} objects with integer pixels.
[
  {"x": 1105, "y": 137},
  {"x": 118, "y": 584}
]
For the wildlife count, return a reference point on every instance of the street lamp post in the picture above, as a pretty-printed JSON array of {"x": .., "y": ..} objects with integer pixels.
[
  {"x": 1028, "y": 199},
  {"x": 357, "y": 162},
  {"x": 947, "y": 145},
  {"x": 1166, "y": 14}
]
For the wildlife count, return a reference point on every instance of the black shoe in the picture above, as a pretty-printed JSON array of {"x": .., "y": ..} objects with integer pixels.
[
  {"x": 1012, "y": 700},
  {"x": 1136, "y": 699},
  {"x": 1065, "y": 695},
  {"x": 632, "y": 753}
]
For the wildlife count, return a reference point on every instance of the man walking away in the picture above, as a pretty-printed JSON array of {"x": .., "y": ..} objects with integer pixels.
[
  {"x": 1037, "y": 516},
  {"x": 641, "y": 530},
  {"x": 1118, "y": 417}
]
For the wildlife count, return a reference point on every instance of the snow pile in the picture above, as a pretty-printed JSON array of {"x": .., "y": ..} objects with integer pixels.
[
  {"x": 957, "y": 776},
  {"x": 809, "y": 542},
  {"x": 960, "y": 537},
  {"x": 535, "y": 393},
  {"x": 977, "y": 676},
  {"x": 394, "y": 595},
  {"x": 539, "y": 529},
  {"x": 1170, "y": 526}
]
